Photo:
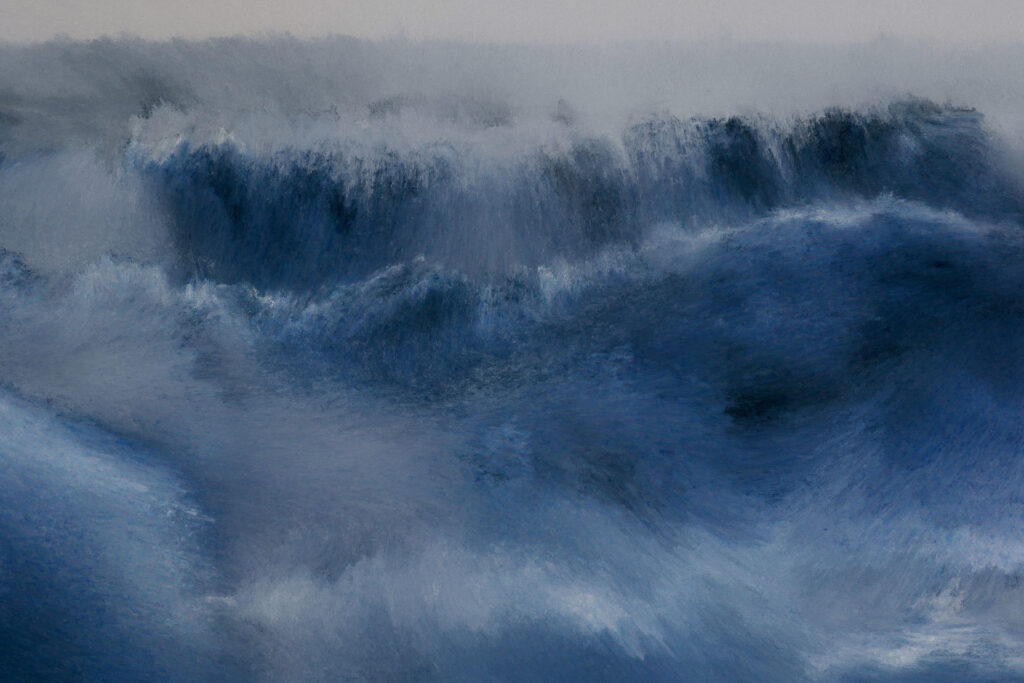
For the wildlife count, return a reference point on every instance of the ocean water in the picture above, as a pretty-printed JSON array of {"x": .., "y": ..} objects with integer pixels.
[{"x": 342, "y": 360}]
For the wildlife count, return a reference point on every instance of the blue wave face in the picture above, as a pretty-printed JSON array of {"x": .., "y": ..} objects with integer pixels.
[
  {"x": 428, "y": 386},
  {"x": 305, "y": 218}
]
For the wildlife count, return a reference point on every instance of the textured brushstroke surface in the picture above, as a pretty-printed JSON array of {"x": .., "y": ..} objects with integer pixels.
[{"x": 356, "y": 361}]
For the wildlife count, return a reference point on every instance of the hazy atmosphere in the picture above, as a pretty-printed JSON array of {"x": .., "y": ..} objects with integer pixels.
[{"x": 562, "y": 21}]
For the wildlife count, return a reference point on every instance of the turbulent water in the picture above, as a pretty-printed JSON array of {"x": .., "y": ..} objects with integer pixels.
[{"x": 386, "y": 361}]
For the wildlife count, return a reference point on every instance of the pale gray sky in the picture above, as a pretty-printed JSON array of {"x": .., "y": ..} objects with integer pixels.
[{"x": 590, "y": 21}]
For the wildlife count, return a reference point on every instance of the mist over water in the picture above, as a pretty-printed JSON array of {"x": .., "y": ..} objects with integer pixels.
[{"x": 344, "y": 360}]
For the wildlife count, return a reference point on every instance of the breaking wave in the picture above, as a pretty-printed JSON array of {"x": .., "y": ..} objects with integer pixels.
[{"x": 335, "y": 377}]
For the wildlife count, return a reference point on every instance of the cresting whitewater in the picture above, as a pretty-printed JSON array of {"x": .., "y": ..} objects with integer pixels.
[{"x": 342, "y": 360}]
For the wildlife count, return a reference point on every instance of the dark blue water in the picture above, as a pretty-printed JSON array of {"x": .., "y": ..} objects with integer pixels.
[{"x": 402, "y": 392}]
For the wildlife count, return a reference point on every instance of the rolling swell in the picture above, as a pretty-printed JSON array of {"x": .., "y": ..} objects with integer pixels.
[{"x": 320, "y": 383}]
